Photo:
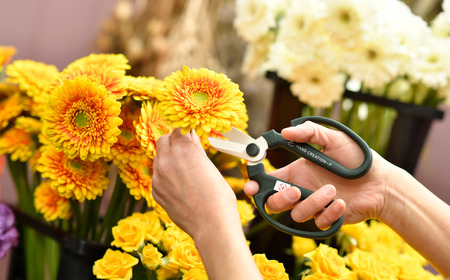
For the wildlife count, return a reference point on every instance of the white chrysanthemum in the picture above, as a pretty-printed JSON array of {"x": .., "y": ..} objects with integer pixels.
[
  {"x": 446, "y": 7},
  {"x": 431, "y": 66},
  {"x": 318, "y": 84},
  {"x": 346, "y": 20},
  {"x": 256, "y": 54},
  {"x": 375, "y": 61},
  {"x": 440, "y": 26},
  {"x": 254, "y": 18}
]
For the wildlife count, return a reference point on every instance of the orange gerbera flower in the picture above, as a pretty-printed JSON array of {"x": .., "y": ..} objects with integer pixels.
[
  {"x": 151, "y": 126},
  {"x": 127, "y": 150},
  {"x": 142, "y": 88},
  {"x": 18, "y": 143},
  {"x": 6, "y": 53},
  {"x": 82, "y": 119},
  {"x": 10, "y": 108},
  {"x": 48, "y": 202},
  {"x": 103, "y": 69},
  {"x": 73, "y": 178},
  {"x": 139, "y": 180},
  {"x": 200, "y": 100},
  {"x": 32, "y": 77}
]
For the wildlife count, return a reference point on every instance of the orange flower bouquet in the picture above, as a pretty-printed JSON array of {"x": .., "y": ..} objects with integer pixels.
[{"x": 87, "y": 137}]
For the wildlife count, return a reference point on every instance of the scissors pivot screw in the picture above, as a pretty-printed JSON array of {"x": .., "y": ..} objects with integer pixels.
[{"x": 252, "y": 149}]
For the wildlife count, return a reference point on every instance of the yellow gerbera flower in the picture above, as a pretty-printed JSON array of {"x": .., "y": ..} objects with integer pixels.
[
  {"x": 83, "y": 119},
  {"x": 6, "y": 53},
  {"x": 10, "y": 108},
  {"x": 127, "y": 150},
  {"x": 200, "y": 100},
  {"x": 32, "y": 77},
  {"x": 110, "y": 77},
  {"x": 29, "y": 124},
  {"x": 142, "y": 88},
  {"x": 73, "y": 178},
  {"x": 18, "y": 143},
  {"x": 48, "y": 202},
  {"x": 116, "y": 61},
  {"x": 151, "y": 126},
  {"x": 139, "y": 180}
]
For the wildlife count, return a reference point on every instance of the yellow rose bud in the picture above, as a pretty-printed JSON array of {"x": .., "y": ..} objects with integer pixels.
[
  {"x": 186, "y": 256},
  {"x": 270, "y": 269},
  {"x": 167, "y": 271},
  {"x": 172, "y": 235},
  {"x": 246, "y": 212},
  {"x": 301, "y": 246},
  {"x": 115, "y": 265},
  {"x": 128, "y": 235},
  {"x": 152, "y": 227},
  {"x": 195, "y": 274},
  {"x": 151, "y": 257},
  {"x": 325, "y": 259}
]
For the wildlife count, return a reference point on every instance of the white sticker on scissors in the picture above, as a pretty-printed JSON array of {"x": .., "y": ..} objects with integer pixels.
[{"x": 280, "y": 185}]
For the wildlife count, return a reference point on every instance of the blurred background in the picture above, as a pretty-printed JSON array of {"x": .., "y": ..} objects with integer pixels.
[{"x": 158, "y": 37}]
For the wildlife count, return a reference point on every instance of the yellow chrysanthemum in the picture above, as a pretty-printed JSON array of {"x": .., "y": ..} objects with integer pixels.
[
  {"x": 115, "y": 265},
  {"x": 32, "y": 77},
  {"x": 18, "y": 143},
  {"x": 10, "y": 108},
  {"x": 82, "y": 119},
  {"x": 371, "y": 266},
  {"x": 139, "y": 180},
  {"x": 73, "y": 178},
  {"x": 109, "y": 77},
  {"x": 270, "y": 269},
  {"x": 127, "y": 150},
  {"x": 150, "y": 127},
  {"x": 142, "y": 88},
  {"x": 6, "y": 53},
  {"x": 237, "y": 184},
  {"x": 200, "y": 100},
  {"x": 48, "y": 202}
]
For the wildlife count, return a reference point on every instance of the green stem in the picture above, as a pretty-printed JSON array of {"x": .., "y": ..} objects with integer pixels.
[
  {"x": 75, "y": 205},
  {"x": 95, "y": 217},
  {"x": 19, "y": 174},
  {"x": 112, "y": 207},
  {"x": 119, "y": 209}
]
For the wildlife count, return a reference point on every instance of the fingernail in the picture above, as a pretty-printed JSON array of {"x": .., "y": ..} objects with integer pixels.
[
  {"x": 291, "y": 194},
  {"x": 330, "y": 190}
]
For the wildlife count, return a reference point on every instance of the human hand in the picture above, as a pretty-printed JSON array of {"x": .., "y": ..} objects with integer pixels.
[
  {"x": 189, "y": 187},
  {"x": 358, "y": 199}
]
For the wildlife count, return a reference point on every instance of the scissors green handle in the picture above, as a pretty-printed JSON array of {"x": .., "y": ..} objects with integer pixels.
[{"x": 270, "y": 185}]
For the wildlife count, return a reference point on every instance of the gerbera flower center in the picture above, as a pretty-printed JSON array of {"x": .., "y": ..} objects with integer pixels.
[
  {"x": 76, "y": 164},
  {"x": 126, "y": 134},
  {"x": 372, "y": 54},
  {"x": 81, "y": 119},
  {"x": 345, "y": 17},
  {"x": 200, "y": 96}
]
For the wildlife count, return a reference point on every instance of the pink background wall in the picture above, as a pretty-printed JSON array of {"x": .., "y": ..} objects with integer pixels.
[{"x": 58, "y": 32}]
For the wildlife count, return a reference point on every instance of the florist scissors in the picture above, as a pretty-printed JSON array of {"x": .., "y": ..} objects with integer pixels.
[{"x": 254, "y": 151}]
